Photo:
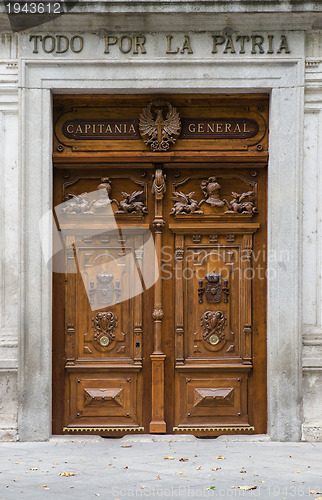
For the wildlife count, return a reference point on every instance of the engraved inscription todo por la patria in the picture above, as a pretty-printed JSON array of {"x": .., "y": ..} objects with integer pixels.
[{"x": 179, "y": 44}]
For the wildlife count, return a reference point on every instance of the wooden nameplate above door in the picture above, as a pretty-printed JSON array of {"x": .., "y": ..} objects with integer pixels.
[{"x": 172, "y": 128}]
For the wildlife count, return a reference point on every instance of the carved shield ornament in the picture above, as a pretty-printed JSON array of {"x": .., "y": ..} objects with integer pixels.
[{"x": 160, "y": 125}]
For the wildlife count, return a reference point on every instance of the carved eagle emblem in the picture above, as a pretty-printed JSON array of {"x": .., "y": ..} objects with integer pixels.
[{"x": 160, "y": 125}]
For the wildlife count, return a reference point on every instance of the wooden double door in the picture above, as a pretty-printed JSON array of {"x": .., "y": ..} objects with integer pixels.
[{"x": 159, "y": 313}]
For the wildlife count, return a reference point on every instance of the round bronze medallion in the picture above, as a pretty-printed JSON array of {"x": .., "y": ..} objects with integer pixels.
[
  {"x": 104, "y": 340},
  {"x": 214, "y": 339}
]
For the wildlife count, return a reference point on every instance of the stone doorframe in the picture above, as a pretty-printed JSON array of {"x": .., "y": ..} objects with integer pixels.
[{"x": 283, "y": 78}]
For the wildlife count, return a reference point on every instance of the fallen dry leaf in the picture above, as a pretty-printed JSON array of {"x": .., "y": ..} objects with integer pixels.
[
  {"x": 198, "y": 468},
  {"x": 142, "y": 487},
  {"x": 158, "y": 476},
  {"x": 183, "y": 459},
  {"x": 67, "y": 474},
  {"x": 313, "y": 492},
  {"x": 16, "y": 480},
  {"x": 297, "y": 472},
  {"x": 216, "y": 468},
  {"x": 182, "y": 473},
  {"x": 220, "y": 457},
  {"x": 168, "y": 458},
  {"x": 126, "y": 446},
  {"x": 126, "y": 467},
  {"x": 43, "y": 486},
  {"x": 243, "y": 471},
  {"x": 247, "y": 488},
  {"x": 318, "y": 498}
]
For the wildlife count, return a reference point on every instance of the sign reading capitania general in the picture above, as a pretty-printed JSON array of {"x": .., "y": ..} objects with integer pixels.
[{"x": 161, "y": 125}]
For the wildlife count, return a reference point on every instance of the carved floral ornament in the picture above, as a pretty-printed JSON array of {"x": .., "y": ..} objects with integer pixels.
[
  {"x": 213, "y": 324},
  {"x": 84, "y": 203},
  {"x": 243, "y": 203},
  {"x": 104, "y": 324}
]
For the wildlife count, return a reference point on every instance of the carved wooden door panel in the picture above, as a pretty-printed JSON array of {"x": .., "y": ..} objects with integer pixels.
[
  {"x": 105, "y": 223},
  {"x": 164, "y": 333},
  {"x": 217, "y": 230}
]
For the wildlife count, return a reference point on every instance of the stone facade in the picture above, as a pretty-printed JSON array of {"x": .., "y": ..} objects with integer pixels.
[{"x": 31, "y": 73}]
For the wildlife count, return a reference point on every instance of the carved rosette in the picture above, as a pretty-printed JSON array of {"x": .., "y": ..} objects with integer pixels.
[
  {"x": 213, "y": 324},
  {"x": 158, "y": 226},
  {"x": 159, "y": 125},
  {"x": 104, "y": 325}
]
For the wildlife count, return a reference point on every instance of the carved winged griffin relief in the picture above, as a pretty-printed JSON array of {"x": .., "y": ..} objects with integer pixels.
[
  {"x": 241, "y": 203},
  {"x": 185, "y": 204},
  {"x": 85, "y": 204},
  {"x": 160, "y": 132},
  {"x": 131, "y": 203},
  {"x": 77, "y": 204}
]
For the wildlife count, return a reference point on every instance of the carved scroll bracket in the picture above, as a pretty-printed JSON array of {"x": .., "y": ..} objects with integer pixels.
[{"x": 159, "y": 186}]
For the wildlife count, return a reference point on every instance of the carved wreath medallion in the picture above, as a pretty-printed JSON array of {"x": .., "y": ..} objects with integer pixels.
[
  {"x": 160, "y": 125},
  {"x": 104, "y": 324},
  {"x": 213, "y": 324}
]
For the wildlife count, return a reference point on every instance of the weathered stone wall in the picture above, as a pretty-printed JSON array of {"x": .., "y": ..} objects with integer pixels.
[
  {"x": 312, "y": 241},
  {"x": 294, "y": 298},
  {"x": 9, "y": 237}
]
